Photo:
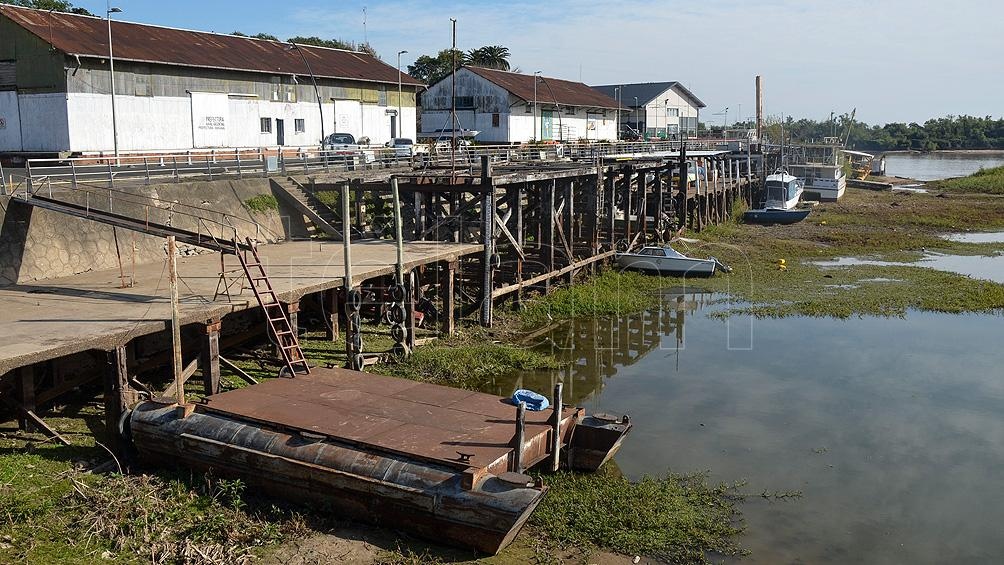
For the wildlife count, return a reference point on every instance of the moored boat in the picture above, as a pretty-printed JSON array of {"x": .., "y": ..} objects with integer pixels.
[
  {"x": 782, "y": 194},
  {"x": 668, "y": 261}
]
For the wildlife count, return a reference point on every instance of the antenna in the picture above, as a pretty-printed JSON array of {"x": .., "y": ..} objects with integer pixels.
[{"x": 366, "y": 38}]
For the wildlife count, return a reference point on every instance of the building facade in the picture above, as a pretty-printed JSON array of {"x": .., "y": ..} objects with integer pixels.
[
  {"x": 179, "y": 90},
  {"x": 666, "y": 110},
  {"x": 505, "y": 107}
]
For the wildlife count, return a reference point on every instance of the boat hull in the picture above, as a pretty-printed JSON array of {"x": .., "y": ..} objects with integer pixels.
[
  {"x": 381, "y": 488},
  {"x": 681, "y": 267},
  {"x": 769, "y": 217}
]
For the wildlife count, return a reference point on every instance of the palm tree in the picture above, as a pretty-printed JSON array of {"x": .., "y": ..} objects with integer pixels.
[{"x": 491, "y": 57}]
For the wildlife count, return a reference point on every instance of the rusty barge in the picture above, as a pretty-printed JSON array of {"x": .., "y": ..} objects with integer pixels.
[{"x": 443, "y": 463}]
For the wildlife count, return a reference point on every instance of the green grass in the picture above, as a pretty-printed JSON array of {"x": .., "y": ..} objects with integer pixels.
[
  {"x": 262, "y": 203},
  {"x": 54, "y": 511},
  {"x": 612, "y": 293},
  {"x": 674, "y": 518},
  {"x": 988, "y": 181}
]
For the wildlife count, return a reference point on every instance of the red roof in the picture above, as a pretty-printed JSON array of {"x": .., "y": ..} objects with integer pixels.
[
  {"x": 553, "y": 90},
  {"x": 87, "y": 36}
]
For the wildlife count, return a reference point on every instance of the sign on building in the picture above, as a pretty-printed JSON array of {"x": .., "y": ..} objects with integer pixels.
[{"x": 210, "y": 112}]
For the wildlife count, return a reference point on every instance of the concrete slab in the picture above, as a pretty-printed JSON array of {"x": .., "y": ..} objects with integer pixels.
[{"x": 59, "y": 317}]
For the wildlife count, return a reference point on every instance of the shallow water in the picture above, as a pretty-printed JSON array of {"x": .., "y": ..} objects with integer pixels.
[
  {"x": 893, "y": 429},
  {"x": 934, "y": 166},
  {"x": 989, "y": 268},
  {"x": 977, "y": 237}
]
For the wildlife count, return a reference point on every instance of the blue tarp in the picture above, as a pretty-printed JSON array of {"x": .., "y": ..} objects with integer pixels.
[{"x": 534, "y": 402}]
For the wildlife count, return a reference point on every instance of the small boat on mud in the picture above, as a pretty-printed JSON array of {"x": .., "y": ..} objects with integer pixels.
[
  {"x": 668, "y": 261},
  {"x": 783, "y": 192}
]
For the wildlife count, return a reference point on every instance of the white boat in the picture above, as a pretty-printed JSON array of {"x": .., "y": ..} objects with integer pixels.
[
  {"x": 782, "y": 193},
  {"x": 668, "y": 261},
  {"x": 821, "y": 168}
]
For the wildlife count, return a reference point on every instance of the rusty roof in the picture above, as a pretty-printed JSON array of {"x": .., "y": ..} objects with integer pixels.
[
  {"x": 554, "y": 90},
  {"x": 87, "y": 36}
]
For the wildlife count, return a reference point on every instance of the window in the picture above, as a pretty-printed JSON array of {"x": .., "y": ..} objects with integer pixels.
[
  {"x": 529, "y": 108},
  {"x": 465, "y": 101},
  {"x": 496, "y": 120},
  {"x": 569, "y": 110},
  {"x": 266, "y": 125},
  {"x": 673, "y": 112},
  {"x": 299, "y": 125}
]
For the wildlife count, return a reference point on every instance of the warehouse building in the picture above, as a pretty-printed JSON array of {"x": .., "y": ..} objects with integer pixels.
[{"x": 180, "y": 90}]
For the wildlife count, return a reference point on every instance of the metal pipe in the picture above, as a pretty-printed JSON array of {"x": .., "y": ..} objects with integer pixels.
[
  {"x": 556, "y": 428},
  {"x": 317, "y": 92},
  {"x": 520, "y": 437},
  {"x": 111, "y": 64},
  {"x": 346, "y": 236},
  {"x": 400, "y": 114}
]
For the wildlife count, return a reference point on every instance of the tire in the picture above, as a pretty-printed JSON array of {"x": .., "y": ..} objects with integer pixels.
[
  {"x": 397, "y": 333},
  {"x": 354, "y": 300},
  {"x": 397, "y": 293},
  {"x": 357, "y": 342},
  {"x": 397, "y": 314}
]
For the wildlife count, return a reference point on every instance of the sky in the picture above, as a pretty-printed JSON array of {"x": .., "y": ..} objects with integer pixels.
[{"x": 892, "y": 60}]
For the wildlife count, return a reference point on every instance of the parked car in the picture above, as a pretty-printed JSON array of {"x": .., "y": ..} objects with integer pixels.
[
  {"x": 402, "y": 146},
  {"x": 345, "y": 144}
]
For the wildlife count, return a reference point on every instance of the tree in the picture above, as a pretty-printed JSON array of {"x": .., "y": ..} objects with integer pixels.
[
  {"x": 490, "y": 57},
  {"x": 335, "y": 44},
  {"x": 53, "y": 5},
  {"x": 262, "y": 35},
  {"x": 433, "y": 69}
]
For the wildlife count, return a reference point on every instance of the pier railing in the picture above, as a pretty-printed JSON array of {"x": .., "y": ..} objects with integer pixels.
[{"x": 131, "y": 169}]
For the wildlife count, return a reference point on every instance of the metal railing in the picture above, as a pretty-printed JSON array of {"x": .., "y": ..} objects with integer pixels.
[{"x": 143, "y": 169}]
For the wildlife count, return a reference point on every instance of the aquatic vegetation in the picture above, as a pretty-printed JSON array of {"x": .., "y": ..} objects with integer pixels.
[
  {"x": 989, "y": 181},
  {"x": 262, "y": 203}
]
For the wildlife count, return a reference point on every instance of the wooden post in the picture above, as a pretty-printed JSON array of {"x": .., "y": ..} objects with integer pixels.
[
  {"x": 209, "y": 356},
  {"x": 520, "y": 437},
  {"x": 569, "y": 222},
  {"x": 410, "y": 296},
  {"x": 643, "y": 208},
  {"x": 628, "y": 176},
  {"x": 660, "y": 203},
  {"x": 446, "y": 285},
  {"x": 593, "y": 214},
  {"x": 682, "y": 183},
  {"x": 172, "y": 273},
  {"x": 556, "y": 428},
  {"x": 329, "y": 298},
  {"x": 548, "y": 230},
  {"x": 487, "y": 239},
  {"x": 26, "y": 378},
  {"x": 609, "y": 194},
  {"x": 117, "y": 394}
]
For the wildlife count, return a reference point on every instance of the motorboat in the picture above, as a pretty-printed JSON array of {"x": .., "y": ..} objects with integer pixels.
[
  {"x": 668, "y": 261},
  {"x": 782, "y": 194}
]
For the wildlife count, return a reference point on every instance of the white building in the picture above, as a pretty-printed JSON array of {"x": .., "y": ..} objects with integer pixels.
[
  {"x": 656, "y": 109},
  {"x": 179, "y": 90},
  {"x": 501, "y": 106}
]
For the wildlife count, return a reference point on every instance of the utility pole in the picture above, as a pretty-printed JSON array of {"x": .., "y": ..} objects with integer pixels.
[
  {"x": 400, "y": 114},
  {"x": 111, "y": 65}
]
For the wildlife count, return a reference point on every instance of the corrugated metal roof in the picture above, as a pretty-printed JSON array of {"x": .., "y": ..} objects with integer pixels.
[
  {"x": 564, "y": 92},
  {"x": 87, "y": 36},
  {"x": 647, "y": 91}
]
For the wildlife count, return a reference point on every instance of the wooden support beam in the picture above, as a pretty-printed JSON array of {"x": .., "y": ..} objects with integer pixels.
[
  {"x": 488, "y": 215},
  {"x": 118, "y": 396},
  {"x": 682, "y": 188},
  {"x": 568, "y": 237},
  {"x": 26, "y": 395},
  {"x": 209, "y": 356},
  {"x": 547, "y": 235},
  {"x": 186, "y": 373},
  {"x": 448, "y": 277},
  {"x": 627, "y": 182},
  {"x": 330, "y": 301},
  {"x": 240, "y": 372}
]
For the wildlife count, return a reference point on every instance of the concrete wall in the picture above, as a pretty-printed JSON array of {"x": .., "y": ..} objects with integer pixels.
[{"x": 37, "y": 244}]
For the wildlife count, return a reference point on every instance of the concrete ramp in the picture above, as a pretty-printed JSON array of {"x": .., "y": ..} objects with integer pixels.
[{"x": 305, "y": 202}]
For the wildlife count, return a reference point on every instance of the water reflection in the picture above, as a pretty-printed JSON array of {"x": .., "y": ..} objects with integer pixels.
[{"x": 892, "y": 428}]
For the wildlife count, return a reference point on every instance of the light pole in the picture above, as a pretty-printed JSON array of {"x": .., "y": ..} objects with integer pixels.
[
  {"x": 317, "y": 92},
  {"x": 725, "y": 123},
  {"x": 617, "y": 95},
  {"x": 400, "y": 114},
  {"x": 111, "y": 65},
  {"x": 637, "y": 129},
  {"x": 535, "y": 131}
]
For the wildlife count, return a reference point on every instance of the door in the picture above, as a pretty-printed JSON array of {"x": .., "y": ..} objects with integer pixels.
[
  {"x": 280, "y": 132},
  {"x": 546, "y": 125},
  {"x": 393, "y": 127}
]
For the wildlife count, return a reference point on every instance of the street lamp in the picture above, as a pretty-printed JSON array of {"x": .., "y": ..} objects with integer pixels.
[
  {"x": 317, "y": 92},
  {"x": 111, "y": 64},
  {"x": 617, "y": 95},
  {"x": 535, "y": 131},
  {"x": 400, "y": 115},
  {"x": 637, "y": 129}
]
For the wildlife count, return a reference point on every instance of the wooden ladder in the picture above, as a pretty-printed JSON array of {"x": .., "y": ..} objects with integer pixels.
[{"x": 278, "y": 321}]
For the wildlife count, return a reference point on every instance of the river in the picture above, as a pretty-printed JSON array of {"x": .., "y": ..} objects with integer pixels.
[
  {"x": 940, "y": 164},
  {"x": 893, "y": 429}
]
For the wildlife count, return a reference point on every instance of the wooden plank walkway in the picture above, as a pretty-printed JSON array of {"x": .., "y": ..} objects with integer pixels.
[{"x": 59, "y": 317}]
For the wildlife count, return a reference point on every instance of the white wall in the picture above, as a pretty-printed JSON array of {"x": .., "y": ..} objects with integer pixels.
[
  {"x": 10, "y": 128},
  {"x": 43, "y": 122},
  {"x": 147, "y": 123}
]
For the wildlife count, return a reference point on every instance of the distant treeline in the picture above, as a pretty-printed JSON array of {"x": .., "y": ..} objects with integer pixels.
[{"x": 950, "y": 132}]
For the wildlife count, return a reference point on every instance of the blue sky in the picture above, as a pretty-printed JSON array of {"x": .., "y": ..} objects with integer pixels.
[{"x": 894, "y": 60}]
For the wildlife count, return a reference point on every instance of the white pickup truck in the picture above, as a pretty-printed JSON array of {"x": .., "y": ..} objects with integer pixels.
[{"x": 339, "y": 144}]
